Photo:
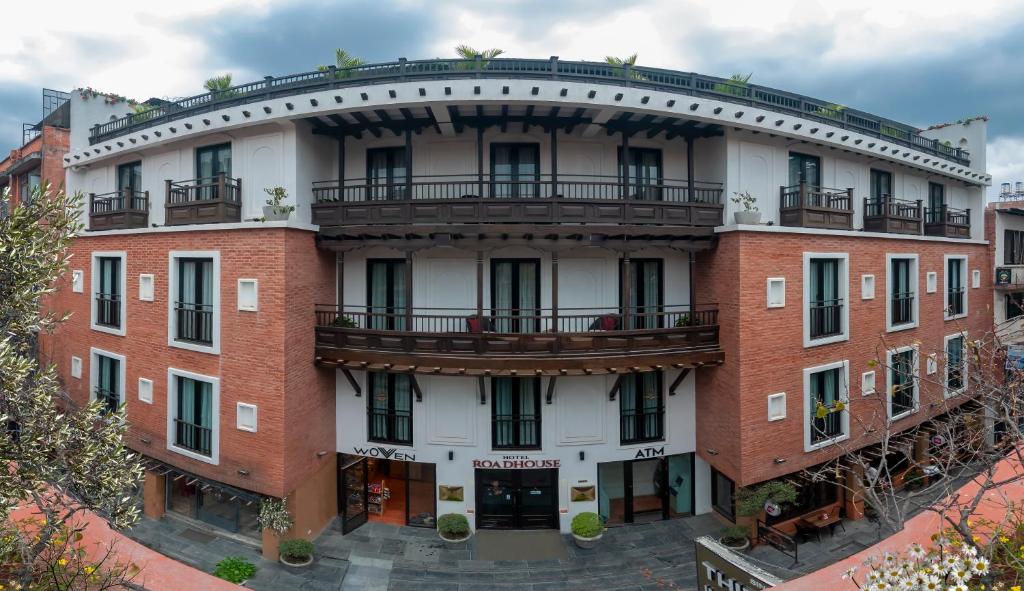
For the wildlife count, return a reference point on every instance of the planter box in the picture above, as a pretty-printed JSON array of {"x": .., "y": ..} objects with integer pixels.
[
  {"x": 587, "y": 542},
  {"x": 748, "y": 218},
  {"x": 276, "y": 214},
  {"x": 455, "y": 544}
]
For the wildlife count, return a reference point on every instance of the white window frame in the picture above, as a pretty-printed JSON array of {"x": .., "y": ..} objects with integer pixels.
[
  {"x": 945, "y": 287},
  {"x": 781, "y": 396},
  {"x": 890, "y": 374},
  {"x": 844, "y": 286},
  {"x": 94, "y": 366},
  {"x": 255, "y": 417},
  {"x": 780, "y": 303},
  {"x": 94, "y": 289},
  {"x": 77, "y": 284},
  {"x": 172, "y": 289},
  {"x": 255, "y": 293},
  {"x": 867, "y": 287},
  {"x": 915, "y": 281},
  {"x": 963, "y": 372},
  {"x": 143, "y": 295},
  {"x": 931, "y": 281},
  {"x": 145, "y": 384},
  {"x": 864, "y": 380},
  {"x": 172, "y": 405},
  {"x": 844, "y": 395},
  {"x": 76, "y": 367}
]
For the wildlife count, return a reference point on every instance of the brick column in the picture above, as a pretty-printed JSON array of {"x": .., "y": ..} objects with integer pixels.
[
  {"x": 852, "y": 492},
  {"x": 154, "y": 495}
]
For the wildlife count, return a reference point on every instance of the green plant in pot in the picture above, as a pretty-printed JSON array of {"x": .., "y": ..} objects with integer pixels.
[
  {"x": 687, "y": 320},
  {"x": 295, "y": 552},
  {"x": 751, "y": 501},
  {"x": 587, "y": 529},
  {"x": 748, "y": 213},
  {"x": 735, "y": 537},
  {"x": 344, "y": 322},
  {"x": 273, "y": 210},
  {"x": 454, "y": 530},
  {"x": 234, "y": 569}
]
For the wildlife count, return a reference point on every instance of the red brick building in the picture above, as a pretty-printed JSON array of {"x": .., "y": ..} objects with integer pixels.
[{"x": 40, "y": 158}]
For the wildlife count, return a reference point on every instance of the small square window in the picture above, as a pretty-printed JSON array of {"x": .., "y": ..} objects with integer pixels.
[
  {"x": 146, "y": 390},
  {"x": 776, "y": 292},
  {"x": 146, "y": 289},
  {"x": 867, "y": 287},
  {"x": 777, "y": 406},
  {"x": 245, "y": 417},
  {"x": 975, "y": 279},
  {"x": 77, "y": 284},
  {"x": 76, "y": 367},
  {"x": 867, "y": 383},
  {"x": 931, "y": 281},
  {"x": 931, "y": 365},
  {"x": 247, "y": 295}
]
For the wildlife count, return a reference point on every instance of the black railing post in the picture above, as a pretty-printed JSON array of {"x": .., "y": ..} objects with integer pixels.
[
  {"x": 167, "y": 197},
  {"x": 478, "y": 64},
  {"x": 220, "y": 186},
  {"x": 554, "y": 67},
  {"x": 920, "y": 216},
  {"x": 408, "y": 163},
  {"x": 554, "y": 161},
  {"x": 627, "y": 73},
  {"x": 268, "y": 82},
  {"x": 690, "y": 188},
  {"x": 92, "y": 202},
  {"x": 401, "y": 68}
]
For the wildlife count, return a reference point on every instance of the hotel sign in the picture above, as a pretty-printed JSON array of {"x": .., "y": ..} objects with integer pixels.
[
  {"x": 720, "y": 569},
  {"x": 516, "y": 463}
]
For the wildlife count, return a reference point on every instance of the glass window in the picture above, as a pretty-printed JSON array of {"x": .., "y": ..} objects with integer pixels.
[
  {"x": 515, "y": 170},
  {"x": 936, "y": 197},
  {"x": 826, "y": 389},
  {"x": 1013, "y": 247},
  {"x": 29, "y": 184},
  {"x": 826, "y": 301},
  {"x": 955, "y": 363},
  {"x": 722, "y": 492},
  {"x": 881, "y": 184},
  {"x": 641, "y": 408},
  {"x": 108, "y": 387},
  {"x": 193, "y": 419},
  {"x": 386, "y": 293},
  {"x": 129, "y": 176},
  {"x": 644, "y": 173},
  {"x": 1014, "y": 305},
  {"x": 901, "y": 292},
  {"x": 108, "y": 298},
  {"x": 194, "y": 307},
  {"x": 955, "y": 284},
  {"x": 646, "y": 286},
  {"x": 389, "y": 408},
  {"x": 386, "y": 169},
  {"x": 804, "y": 168},
  {"x": 211, "y": 161},
  {"x": 516, "y": 413},
  {"x": 515, "y": 295},
  {"x": 903, "y": 383}
]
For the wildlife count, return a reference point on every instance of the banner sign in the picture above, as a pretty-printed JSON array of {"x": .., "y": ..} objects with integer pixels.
[{"x": 721, "y": 569}]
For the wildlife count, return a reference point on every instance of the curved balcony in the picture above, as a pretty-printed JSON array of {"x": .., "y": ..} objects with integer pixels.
[
  {"x": 681, "y": 83},
  {"x": 548, "y": 342},
  {"x": 547, "y": 199},
  {"x": 119, "y": 210}
]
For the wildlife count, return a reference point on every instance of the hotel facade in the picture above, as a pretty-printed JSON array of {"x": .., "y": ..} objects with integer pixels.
[{"x": 512, "y": 289}]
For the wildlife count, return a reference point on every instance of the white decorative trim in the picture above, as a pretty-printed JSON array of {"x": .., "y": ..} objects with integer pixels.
[
  {"x": 890, "y": 374},
  {"x": 172, "y": 400},
  {"x": 776, "y": 229},
  {"x": 94, "y": 365},
  {"x": 146, "y": 390},
  {"x": 77, "y": 282},
  {"x": 254, "y": 305},
  {"x": 975, "y": 279},
  {"x": 147, "y": 292},
  {"x": 241, "y": 426},
  {"x": 778, "y": 399},
  {"x": 76, "y": 367},
  {"x": 867, "y": 287},
  {"x": 844, "y": 286},
  {"x": 945, "y": 291},
  {"x": 94, "y": 289},
  {"x": 780, "y": 284},
  {"x": 843, "y": 394},
  {"x": 931, "y": 281},
  {"x": 868, "y": 383},
  {"x": 172, "y": 289},
  {"x": 915, "y": 281},
  {"x": 290, "y": 224}
]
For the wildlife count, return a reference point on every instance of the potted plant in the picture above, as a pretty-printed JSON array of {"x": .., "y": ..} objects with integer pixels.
[
  {"x": 453, "y": 529},
  {"x": 344, "y": 322},
  {"x": 587, "y": 529},
  {"x": 735, "y": 538},
  {"x": 296, "y": 553},
  {"x": 234, "y": 569},
  {"x": 273, "y": 210},
  {"x": 686, "y": 320},
  {"x": 749, "y": 214}
]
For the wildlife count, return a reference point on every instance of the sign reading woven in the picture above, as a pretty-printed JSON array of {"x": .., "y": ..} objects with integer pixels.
[{"x": 721, "y": 569}]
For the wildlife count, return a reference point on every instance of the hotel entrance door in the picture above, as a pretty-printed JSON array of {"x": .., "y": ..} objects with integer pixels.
[{"x": 517, "y": 499}]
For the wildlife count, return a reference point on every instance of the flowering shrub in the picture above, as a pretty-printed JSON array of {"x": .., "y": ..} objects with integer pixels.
[
  {"x": 274, "y": 515},
  {"x": 951, "y": 566}
]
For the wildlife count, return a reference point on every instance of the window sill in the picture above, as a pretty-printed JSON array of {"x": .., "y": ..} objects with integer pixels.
[
  {"x": 826, "y": 442},
  {"x": 809, "y": 342},
  {"x": 957, "y": 317},
  {"x": 191, "y": 454},
  {"x": 902, "y": 415},
  {"x": 116, "y": 331},
  {"x": 899, "y": 327},
  {"x": 191, "y": 346},
  {"x": 393, "y": 443}
]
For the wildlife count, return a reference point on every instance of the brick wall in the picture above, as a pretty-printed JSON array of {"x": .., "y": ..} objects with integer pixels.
[
  {"x": 764, "y": 347},
  {"x": 52, "y": 144}
]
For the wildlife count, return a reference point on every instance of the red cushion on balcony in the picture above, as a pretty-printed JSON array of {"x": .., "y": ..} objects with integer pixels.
[
  {"x": 609, "y": 322},
  {"x": 475, "y": 324}
]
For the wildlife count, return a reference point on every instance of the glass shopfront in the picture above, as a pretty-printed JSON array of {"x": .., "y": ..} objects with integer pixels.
[
  {"x": 647, "y": 489},
  {"x": 385, "y": 490},
  {"x": 217, "y": 507}
]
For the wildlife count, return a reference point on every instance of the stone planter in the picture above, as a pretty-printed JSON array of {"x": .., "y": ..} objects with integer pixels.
[
  {"x": 736, "y": 548},
  {"x": 308, "y": 562},
  {"x": 587, "y": 542},
  {"x": 454, "y": 544},
  {"x": 276, "y": 214},
  {"x": 748, "y": 218}
]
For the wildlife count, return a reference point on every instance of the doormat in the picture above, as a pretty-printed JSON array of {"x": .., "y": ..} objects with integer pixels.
[
  {"x": 519, "y": 545},
  {"x": 197, "y": 536}
]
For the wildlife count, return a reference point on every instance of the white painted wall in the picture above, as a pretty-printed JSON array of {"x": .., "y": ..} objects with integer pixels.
[
  {"x": 87, "y": 112},
  {"x": 970, "y": 136}
]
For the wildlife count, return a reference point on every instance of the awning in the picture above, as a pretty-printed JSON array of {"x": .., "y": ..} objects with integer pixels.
[{"x": 205, "y": 484}]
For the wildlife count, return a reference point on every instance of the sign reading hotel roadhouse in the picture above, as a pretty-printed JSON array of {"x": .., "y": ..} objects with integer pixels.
[
  {"x": 516, "y": 462},
  {"x": 720, "y": 569}
]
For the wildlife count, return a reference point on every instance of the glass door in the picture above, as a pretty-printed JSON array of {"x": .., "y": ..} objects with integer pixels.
[
  {"x": 936, "y": 198},
  {"x": 386, "y": 169},
  {"x": 515, "y": 170},
  {"x": 644, "y": 173},
  {"x": 211, "y": 161},
  {"x": 645, "y": 293},
  {"x": 515, "y": 295},
  {"x": 646, "y": 490},
  {"x": 496, "y": 499},
  {"x": 352, "y": 481},
  {"x": 537, "y": 502},
  {"x": 385, "y": 291},
  {"x": 804, "y": 168}
]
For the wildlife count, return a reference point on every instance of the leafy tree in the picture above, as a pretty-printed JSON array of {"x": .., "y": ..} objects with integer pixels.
[{"x": 59, "y": 460}]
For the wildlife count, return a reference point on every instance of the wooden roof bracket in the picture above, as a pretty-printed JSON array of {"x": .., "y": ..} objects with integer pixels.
[
  {"x": 415, "y": 387},
  {"x": 482, "y": 388},
  {"x": 616, "y": 387},
  {"x": 352, "y": 381},
  {"x": 679, "y": 380},
  {"x": 551, "y": 390}
]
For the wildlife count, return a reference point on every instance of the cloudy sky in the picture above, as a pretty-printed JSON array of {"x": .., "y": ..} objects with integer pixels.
[{"x": 914, "y": 61}]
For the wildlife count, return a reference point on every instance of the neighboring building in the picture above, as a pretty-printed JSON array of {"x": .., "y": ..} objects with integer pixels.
[
  {"x": 511, "y": 289},
  {"x": 1004, "y": 227},
  {"x": 43, "y": 146}
]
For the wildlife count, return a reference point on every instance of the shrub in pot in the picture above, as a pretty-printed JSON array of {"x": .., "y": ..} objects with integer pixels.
[
  {"x": 453, "y": 529},
  {"x": 735, "y": 537},
  {"x": 273, "y": 210},
  {"x": 587, "y": 529},
  {"x": 234, "y": 569},
  {"x": 749, "y": 214},
  {"x": 344, "y": 322},
  {"x": 295, "y": 552}
]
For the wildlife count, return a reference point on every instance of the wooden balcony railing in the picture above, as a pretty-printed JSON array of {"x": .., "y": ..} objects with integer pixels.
[
  {"x": 947, "y": 221},
  {"x": 539, "y": 339},
  {"x": 204, "y": 201},
  {"x": 492, "y": 199},
  {"x": 119, "y": 210},
  {"x": 808, "y": 206},
  {"x": 893, "y": 216}
]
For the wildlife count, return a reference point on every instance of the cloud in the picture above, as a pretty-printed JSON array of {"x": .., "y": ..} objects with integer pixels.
[
  {"x": 1005, "y": 160},
  {"x": 22, "y": 103}
]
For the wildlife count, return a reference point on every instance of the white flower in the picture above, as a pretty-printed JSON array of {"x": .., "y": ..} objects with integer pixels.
[
  {"x": 959, "y": 587},
  {"x": 916, "y": 552},
  {"x": 908, "y": 584},
  {"x": 932, "y": 583},
  {"x": 979, "y": 566}
]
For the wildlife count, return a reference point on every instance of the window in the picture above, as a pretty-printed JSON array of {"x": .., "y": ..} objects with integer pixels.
[
  {"x": 389, "y": 408},
  {"x": 514, "y": 170},
  {"x": 646, "y": 293},
  {"x": 29, "y": 184},
  {"x": 194, "y": 301},
  {"x": 826, "y": 421},
  {"x": 108, "y": 287},
  {"x": 902, "y": 382},
  {"x": 386, "y": 169},
  {"x": 1013, "y": 247},
  {"x": 248, "y": 290},
  {"x": 804, "y": 168},
  {"x": 146, "y": 287},
  {"x": 515, "y": 295},
  {"x": 641, "y": 408},
  {"x": 515, "y": 413},
  {"x": 956, "y": 283},
  {"x": 902, "y": 308},
  {"x": 881, "y": 184},
  {"x": 211, "y": 162},
  {"x": 129, "y": 177},
  {"x": 936, "y": 198},
  {"x": 956, "y": 364},
  {"x": 1014, "y": 304},
  {"x": 385, "y": 293},
  {"x": 776, "y": 292},
  {"x": 825, "y": 289},
  {"x": 193, "y": 415},
  {"x": 644, "y": 173},
  {"x": 146, "y": 390},
  {"x": 777, "y": 406},
  {"x": 245, "y": 417},
  {"x": 722, "y": 493},
  {"x": 107, "y": 373}
]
